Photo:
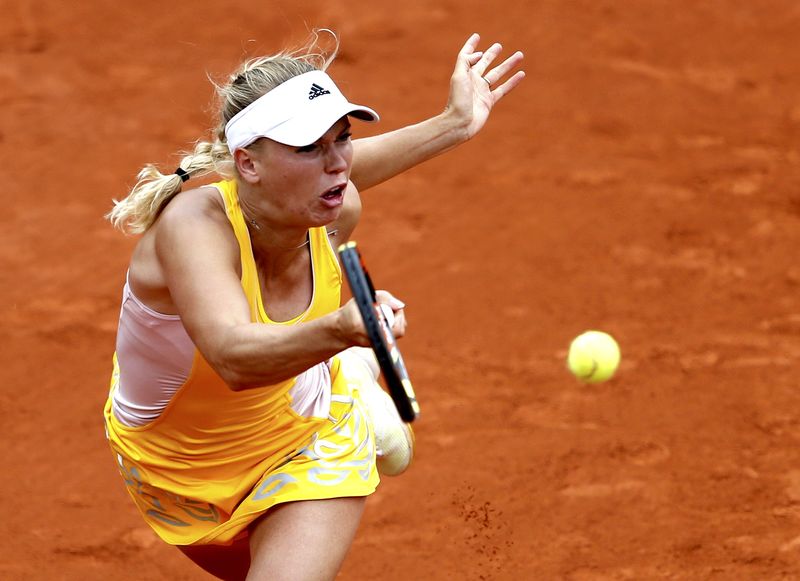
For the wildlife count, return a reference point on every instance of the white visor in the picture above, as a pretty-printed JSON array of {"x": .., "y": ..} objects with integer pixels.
[{"x": 296, "y": 112}]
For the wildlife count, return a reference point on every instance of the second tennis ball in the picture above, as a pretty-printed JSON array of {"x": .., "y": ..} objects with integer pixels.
[{"x": 593, "y": 356}]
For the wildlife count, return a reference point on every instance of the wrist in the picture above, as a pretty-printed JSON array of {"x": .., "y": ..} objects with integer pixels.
[
  {"x": 338, "y": 328},
  {"x": 452, "y": 125}
]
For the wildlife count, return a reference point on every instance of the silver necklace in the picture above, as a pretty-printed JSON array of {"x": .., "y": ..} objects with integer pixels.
[{"x": 255, "y": 225}]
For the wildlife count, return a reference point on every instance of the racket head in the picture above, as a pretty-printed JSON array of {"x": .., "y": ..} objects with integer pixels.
[{"x": 384, "y": 345}]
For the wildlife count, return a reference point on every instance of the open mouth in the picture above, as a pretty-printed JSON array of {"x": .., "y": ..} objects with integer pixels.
[{"x": 334, "y": 193}]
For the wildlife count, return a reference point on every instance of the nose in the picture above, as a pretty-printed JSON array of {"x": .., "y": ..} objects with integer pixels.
[{"x": 336, "y": 159}]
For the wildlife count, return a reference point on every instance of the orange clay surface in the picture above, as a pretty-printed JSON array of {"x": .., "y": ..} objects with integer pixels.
[{"x": 643, "y": 181}]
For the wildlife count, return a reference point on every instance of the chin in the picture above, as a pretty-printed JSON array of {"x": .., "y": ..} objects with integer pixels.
[{"x": 327, "y": 218}]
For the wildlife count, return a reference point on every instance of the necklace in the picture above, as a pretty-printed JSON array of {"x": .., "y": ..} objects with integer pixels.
[{"x": 255, "y": 225}]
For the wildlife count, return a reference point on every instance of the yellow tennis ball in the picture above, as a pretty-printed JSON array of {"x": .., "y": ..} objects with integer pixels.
[{"x": 593, "y": 356}]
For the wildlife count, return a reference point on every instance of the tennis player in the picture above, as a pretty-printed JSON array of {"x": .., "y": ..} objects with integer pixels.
[{"x": 243, "y": 411}]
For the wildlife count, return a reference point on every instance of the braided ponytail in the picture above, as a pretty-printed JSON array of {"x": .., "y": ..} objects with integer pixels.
[{"x": 137, "y": 212}]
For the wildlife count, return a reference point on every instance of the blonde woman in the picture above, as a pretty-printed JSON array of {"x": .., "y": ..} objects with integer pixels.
[{"x": 244, "y": 416}]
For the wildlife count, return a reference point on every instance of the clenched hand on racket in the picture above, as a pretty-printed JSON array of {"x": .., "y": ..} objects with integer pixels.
[
  {"x": 383, "y": 320},
  {"x": 393, "y": 309}
]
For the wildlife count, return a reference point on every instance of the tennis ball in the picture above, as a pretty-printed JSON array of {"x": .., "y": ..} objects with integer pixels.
[{"x": 593, "y": 356}]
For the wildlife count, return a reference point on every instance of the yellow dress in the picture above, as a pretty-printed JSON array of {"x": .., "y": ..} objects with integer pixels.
[{"x": 215, "y": 459}]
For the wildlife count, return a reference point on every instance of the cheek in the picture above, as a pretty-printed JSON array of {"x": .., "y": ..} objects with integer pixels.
[
  {"x": 292, "y": 171},
  {"x": 348, "y": 154},
  {"x": 293, "y": 182}
]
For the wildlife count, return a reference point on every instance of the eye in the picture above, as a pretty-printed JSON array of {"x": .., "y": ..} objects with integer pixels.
[
  {"x": 307, "y": 148},
  {"x": 345, "y": 136}
]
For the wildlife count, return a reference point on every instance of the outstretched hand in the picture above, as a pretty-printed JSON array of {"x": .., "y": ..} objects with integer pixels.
[{"x": 475, "y": 88}]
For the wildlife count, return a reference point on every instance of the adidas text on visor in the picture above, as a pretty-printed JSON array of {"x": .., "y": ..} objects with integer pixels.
[{"x": 297, "y": 112}]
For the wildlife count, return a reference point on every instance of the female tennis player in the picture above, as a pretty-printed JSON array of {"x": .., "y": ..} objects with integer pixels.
[{"x": 243, "y": 414}]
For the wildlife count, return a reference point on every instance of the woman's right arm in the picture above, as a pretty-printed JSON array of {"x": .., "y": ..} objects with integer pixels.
[{"x": 198, "y": 254}]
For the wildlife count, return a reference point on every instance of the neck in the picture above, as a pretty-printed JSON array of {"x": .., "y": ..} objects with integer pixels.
[
  {"x": 270, "y": 240},
  {"x": 268, "y": 237}
]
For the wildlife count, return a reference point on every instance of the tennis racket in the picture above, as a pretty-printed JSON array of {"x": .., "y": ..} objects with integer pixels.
[{"x": 393, "y": 368}]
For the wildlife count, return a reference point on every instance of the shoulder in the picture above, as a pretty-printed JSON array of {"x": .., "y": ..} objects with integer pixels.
[
  {"x": 203, "y": 203},
  {"x": 192, "y": 227},
  {"x": 199, "y": 212},
  {"x": 194, "y": 220}
]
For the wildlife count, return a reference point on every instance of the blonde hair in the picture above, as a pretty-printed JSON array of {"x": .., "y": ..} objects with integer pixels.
[{"x": 254, "y": 78}]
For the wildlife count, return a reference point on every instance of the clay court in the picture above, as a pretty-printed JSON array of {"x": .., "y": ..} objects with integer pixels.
[{"x": 643, "y": 180}]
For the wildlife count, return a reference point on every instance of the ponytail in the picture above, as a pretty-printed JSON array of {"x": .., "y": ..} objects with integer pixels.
[
  {"x": 137, "y": 212},
  {"x": 255, "y": 77}
]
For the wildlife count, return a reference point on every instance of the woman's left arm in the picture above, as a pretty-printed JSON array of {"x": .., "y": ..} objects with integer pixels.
[{"x": 474, "y": 90}]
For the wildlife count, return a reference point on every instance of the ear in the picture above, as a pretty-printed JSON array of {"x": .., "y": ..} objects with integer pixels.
[{"x": 246, "y": 165}]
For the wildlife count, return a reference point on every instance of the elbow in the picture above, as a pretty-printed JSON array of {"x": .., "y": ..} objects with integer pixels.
[
  {"x": 240, "y": 370},
  {"x": 232, "y": 368},
  {"x": 235, "y": 379},
  {"x": 242, "y": 379},
  {"x": 236, "y": 384}
]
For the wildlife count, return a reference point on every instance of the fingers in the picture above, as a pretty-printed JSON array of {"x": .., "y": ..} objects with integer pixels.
[
  {"x": 488, "y": 57},
  {"x": 383, "y": 296},
  {"x": 480, "y": 62},
  {"x": 388, "y": 313},
  {"x": 494, "y": 76},
  {"x": 473, "y": 58},
  {"x": 501, "y": 90},
  {"x": 504, "y": 68},
  {"x": 399, "y": 325},
  {"x": 470, "y": 45},
  {"x": 392, "y": 309},
  {"x": 468, "y": 56}
]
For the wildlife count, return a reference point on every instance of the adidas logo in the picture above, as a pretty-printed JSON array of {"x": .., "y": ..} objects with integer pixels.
[{"x": 317, "y": 91}]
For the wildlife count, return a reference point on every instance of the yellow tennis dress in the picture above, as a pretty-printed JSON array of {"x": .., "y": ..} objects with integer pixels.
[{"x": 216, "y": 459}]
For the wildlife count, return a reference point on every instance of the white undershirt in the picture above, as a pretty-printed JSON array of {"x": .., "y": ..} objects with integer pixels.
[{"x": 155, "y": 356}]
